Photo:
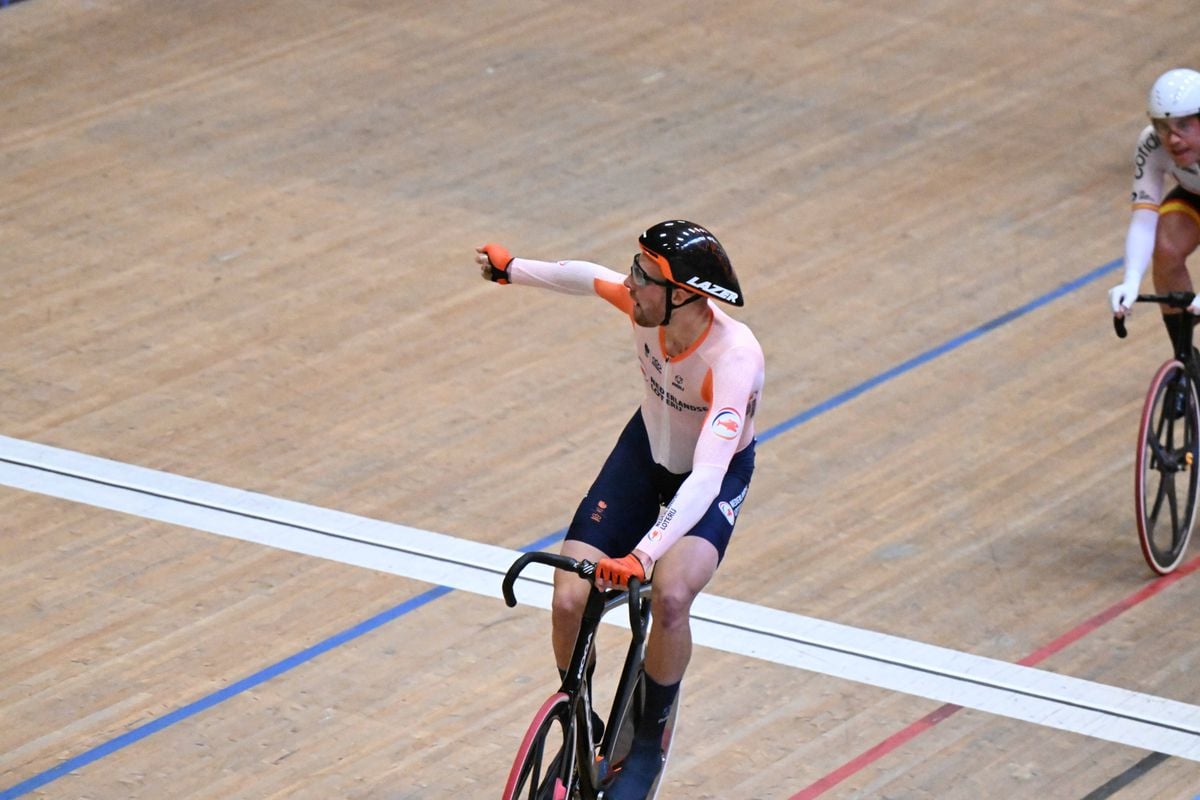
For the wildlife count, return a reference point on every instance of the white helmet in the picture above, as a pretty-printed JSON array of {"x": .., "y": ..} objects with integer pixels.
[{"x": 1176, "y": 93}]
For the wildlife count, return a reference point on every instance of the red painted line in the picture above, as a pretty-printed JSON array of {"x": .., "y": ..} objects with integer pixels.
[
  {"x": 901, "y": 737},
  {"x": 875, "y": 753},
  {"x": 1111, "y": 613}
]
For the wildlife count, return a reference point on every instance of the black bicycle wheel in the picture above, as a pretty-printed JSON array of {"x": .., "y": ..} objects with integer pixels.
[
  {"x": 1165, "y": 480},
  {"x": 544, "y": 768}
]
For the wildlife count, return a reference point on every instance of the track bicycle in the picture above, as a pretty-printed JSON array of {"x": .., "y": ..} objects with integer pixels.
[
  {"x": 563, "y": 756},
  {"x": 1165, "y": 475}
]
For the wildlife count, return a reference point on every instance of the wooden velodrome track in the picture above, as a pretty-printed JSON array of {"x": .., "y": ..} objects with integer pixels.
[{"x": 236, "y": 248}]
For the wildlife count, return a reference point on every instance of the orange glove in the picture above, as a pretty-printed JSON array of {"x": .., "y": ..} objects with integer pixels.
[
  {"x": 618, "y": 571},
  {"x": 497, "y": 261}
]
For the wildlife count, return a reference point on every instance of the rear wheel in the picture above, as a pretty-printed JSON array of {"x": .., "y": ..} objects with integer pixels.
[
  {"x": 1165, "y": 488},
  {"x": 545, "y": 764}
]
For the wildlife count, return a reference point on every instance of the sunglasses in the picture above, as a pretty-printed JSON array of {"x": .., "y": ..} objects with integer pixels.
[
  {"x": 640, "y": 278},
  {"x": 1176, "y": 125}
]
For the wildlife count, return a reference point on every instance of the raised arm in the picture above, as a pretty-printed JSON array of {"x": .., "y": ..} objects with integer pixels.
[{"x": 568, "y": 277}]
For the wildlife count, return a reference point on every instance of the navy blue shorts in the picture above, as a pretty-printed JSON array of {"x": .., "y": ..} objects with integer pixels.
[{"x": 631, "y": 489}]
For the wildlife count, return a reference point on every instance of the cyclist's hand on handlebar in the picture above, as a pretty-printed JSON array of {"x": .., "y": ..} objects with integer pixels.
[
  {"x": 1122, "y": 298},
  {"x": 493, "y": 261},
  {"x": 614, "y": 573}
]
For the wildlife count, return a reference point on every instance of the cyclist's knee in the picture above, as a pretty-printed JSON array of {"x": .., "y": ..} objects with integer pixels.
[
  {"x": 566, "y": 607},
  {"x": 672, "y": 603},
  {"x": 1176, "y": 241},
  {"x": 1170, "y": 272},
  {"x": 570, "y": 590}
]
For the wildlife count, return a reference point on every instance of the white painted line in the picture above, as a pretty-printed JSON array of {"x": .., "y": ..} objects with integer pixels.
[
  {"x": 1024, "y": 693},
  {"x": 951, "y": 676}
]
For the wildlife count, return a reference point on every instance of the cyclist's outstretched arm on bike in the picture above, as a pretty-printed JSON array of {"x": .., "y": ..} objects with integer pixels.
[{"x": 1139, "y": 248}]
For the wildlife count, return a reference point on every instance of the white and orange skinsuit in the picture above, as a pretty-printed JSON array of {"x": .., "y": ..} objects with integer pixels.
[{"x": 699, "y": 405}]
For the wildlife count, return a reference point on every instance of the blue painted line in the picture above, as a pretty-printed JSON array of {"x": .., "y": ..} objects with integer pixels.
[
  {"x": 142, "y": 731},
  {"x": 545, "y": 541},
  {"x": 935, "y": 352}
]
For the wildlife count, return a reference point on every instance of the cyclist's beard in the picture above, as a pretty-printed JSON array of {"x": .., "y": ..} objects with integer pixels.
[{"x": 643, "y": 319}]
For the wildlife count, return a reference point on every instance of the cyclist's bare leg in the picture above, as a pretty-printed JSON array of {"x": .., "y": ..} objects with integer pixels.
[
  {"x": 570, "y": 596},
  {"x": 1177, "y": 236},
  {"x": 679, "y": 576}
]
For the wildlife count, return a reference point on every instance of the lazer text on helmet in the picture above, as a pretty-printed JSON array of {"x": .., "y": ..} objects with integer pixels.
[{"x": 711, "y": 288}]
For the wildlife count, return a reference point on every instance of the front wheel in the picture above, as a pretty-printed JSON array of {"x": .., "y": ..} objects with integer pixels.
[
  {"x": 545, "y": 764},
  {"x": 1165, "y": 480}
]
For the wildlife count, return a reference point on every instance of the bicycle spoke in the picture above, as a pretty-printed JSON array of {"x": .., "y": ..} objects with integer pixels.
[
  {"x": 535, "y": 772},
  {"x": 1172, "y": 502},
  {"x": 1157, "y": 460},
  {"x": 1160, "y": 494}
]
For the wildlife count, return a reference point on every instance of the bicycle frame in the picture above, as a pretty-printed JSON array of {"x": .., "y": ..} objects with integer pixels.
[
  {"x": 586, "y": 771},
  {"x": 1167, "y": 450}
]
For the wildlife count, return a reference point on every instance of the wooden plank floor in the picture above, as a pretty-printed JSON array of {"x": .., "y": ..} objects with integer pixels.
[{"x": 236, "y": 245}]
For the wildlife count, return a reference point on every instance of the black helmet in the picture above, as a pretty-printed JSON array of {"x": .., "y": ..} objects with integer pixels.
[{"x": 691, "y": 257}]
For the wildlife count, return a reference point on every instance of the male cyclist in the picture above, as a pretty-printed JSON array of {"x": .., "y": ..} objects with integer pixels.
[
  {"x": 669, "y": 493},
  {"x": 1165, "y": 231}
]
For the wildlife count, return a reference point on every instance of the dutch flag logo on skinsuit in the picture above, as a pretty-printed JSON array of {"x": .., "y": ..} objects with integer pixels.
[{"x": 727, "y": 423}]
